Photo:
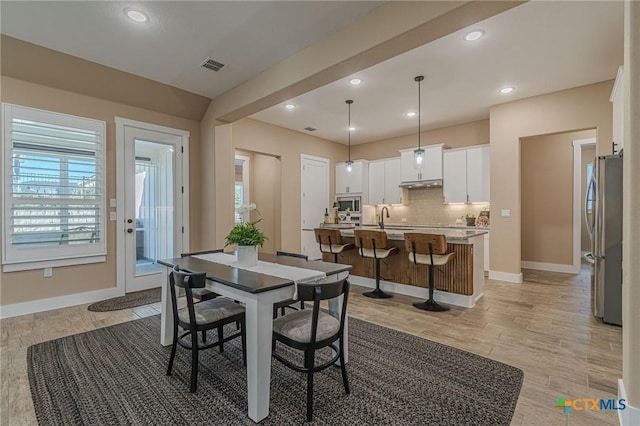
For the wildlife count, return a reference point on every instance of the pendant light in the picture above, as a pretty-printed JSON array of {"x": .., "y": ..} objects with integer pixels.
[
  {"x": 419, "y": 153},
  {"x": 349, "y": 163}
]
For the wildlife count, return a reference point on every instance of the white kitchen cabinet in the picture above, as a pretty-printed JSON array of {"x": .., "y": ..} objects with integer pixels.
[
  {"x": 431, "y": 165},
  {"x": 356, "y": 182},
  {"x": 392, "y": 190},
  {"x": 618, "y": 112},
  {"x": 376, "y": 182},
  {"x": 466, "y": 175},
  {"x": 384, "y": 181}
]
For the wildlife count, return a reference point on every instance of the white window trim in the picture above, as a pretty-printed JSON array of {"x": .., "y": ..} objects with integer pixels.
[{"x": 57, "y": 259}]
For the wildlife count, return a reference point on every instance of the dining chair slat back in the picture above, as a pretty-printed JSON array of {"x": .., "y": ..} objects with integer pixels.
[
  {"x": 314, "y": 329},
  {"x": 201, "y": 317}
]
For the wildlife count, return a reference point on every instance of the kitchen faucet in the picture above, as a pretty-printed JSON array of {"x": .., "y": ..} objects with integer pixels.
[{"x": 381, "y": 223}]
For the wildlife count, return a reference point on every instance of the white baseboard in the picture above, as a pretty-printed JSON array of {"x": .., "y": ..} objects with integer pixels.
[
  {"x": 551, "y": 267},
  {"x": 506, "y": 276},
  {"x": 630, "y": 416},
  {"x": 41, "y": 305},
  {"x": 420, "y": 292}
]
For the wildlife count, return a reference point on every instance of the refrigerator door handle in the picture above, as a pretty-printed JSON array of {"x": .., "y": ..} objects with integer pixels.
[{"x": 590, "y": 219}]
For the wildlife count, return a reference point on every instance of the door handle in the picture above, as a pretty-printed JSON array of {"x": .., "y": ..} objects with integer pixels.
[
  {"x": 129, "y": 230},
  {"x": 589, "y": 220}
]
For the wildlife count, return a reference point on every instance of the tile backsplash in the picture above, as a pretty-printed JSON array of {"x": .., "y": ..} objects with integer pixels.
[{"x": 423, "y": 206}]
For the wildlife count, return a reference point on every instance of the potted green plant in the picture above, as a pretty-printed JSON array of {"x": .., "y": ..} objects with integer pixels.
[
  {"x": 471, "y": 219},
  {"x": 247, "y": 237}
]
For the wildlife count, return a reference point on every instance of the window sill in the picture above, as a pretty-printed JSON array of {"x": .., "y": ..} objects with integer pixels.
[{"x": 27, "y": 266}]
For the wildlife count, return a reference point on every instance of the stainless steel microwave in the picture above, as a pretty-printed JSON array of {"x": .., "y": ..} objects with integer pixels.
[{"x": 352, "y": 203}]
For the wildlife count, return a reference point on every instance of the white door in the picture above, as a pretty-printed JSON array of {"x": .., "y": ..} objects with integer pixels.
[
  {"x": 314, "y": 184},
  {"x": 152, "y": 201}
]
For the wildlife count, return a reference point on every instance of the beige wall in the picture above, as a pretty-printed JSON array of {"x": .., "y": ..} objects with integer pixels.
[
  {"x": 266, "y": 193},
  {"x": 580, "y": 108},
  {"x": 466, "y": 134},
  {"x": 25, "y": 286},
  {"x": 258, "y": 137},
  {"x": 37, "y": 64},
  {"x": 547, "y": 197}
]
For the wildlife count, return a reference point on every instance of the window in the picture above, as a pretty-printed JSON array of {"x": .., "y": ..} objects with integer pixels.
[
  {"x": 241, "y": 189},
  {"x": 239, "y": 200},
  {"x": 54, "y": 189}
]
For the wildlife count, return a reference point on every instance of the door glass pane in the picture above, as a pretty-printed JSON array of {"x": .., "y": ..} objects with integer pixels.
[{"x": 154, "y": 205}]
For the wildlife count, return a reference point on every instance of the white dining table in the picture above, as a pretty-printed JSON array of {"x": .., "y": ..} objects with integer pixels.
[{"x": 257, "y": 292}]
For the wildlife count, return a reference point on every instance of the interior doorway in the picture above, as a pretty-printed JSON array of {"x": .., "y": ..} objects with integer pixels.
[
  {"x": 258, "y": 181},
  {"x": 551, "y": 194}
]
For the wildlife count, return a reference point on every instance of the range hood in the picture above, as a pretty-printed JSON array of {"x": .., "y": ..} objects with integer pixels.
[{"x": 422, "y": 184}]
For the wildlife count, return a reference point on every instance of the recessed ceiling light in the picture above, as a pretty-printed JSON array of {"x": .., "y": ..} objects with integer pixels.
[
  {"x": 136, "y": 15},
  {"x": 473, "y": 35},
  {"x": 351, "y": 129},
  {"x": 289, "y": 106},
  {"x": 506, "y": 90},
  {"x": 355, "y": 81},
  {"x": 411, "y": 114}
]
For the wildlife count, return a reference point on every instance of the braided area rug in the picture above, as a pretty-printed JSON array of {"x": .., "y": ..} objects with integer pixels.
[
  {"x": 116, "y": 376},
  {"x": 129, "y": 300}
]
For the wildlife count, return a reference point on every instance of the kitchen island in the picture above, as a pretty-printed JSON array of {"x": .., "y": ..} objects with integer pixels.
[{"x": 459, "y": 283}]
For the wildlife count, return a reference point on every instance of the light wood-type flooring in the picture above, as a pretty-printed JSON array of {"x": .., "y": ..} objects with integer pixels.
[{"x": 543, "y": 326}]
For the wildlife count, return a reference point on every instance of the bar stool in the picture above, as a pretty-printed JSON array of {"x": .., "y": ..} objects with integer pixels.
[
  {"x": 431, "y": 250},
  {"x": 330, "y": 241},
  {"x": 373, "y": 244}
]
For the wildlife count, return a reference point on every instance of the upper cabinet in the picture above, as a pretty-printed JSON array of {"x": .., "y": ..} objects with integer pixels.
[
  {"x": 618, "y": 112},
  {"x": 356, "y": 182},
  {"x": 384, "y": 181},
  {"x": 431, "y": 166},
  {"x": 466, "y": 175}
]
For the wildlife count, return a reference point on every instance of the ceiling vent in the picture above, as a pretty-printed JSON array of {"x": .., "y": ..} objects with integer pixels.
[
  {"x": 310, "y": 129},
  {"x": 212, "y": 65}
]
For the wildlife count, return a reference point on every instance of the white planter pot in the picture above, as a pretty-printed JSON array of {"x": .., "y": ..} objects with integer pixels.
[{"x": 247, "y": 255}]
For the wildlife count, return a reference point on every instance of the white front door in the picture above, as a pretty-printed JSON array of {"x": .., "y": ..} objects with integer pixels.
[
  {"x": 314, "y": 183},
  {"x": 151, "y": 201}
]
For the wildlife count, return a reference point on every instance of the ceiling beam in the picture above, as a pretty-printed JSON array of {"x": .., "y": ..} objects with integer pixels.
[{"x": 387, "y": 31}]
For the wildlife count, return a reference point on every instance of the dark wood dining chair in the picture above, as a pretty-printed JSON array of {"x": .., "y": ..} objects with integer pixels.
[
  {"x": 287, "y": 304},
  {"x": 312, "y": 329},
  {"x": 431, "y": 250},
  {"x": 203, "y": 316},
  {"x": 202, "y": 294}
]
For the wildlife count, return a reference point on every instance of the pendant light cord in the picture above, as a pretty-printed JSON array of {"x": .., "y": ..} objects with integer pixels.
[
  {"x": 349, "y": 102},
  {"x": 419, "y": 103}
]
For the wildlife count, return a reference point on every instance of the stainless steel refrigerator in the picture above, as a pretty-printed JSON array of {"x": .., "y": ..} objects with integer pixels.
[{"x": 603, "y": 209}]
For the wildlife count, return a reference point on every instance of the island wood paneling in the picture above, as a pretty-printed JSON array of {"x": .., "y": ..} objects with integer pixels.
[{"x": 455, "y": 277}]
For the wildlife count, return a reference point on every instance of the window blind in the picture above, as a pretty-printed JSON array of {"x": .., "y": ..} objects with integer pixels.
[{"x": 54, "y": 185}]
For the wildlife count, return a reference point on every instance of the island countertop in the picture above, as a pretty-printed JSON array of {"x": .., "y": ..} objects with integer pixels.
[{"x": 396, "y": 232}]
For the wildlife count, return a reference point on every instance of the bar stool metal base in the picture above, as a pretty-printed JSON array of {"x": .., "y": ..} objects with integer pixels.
[
  {"x": 377, "y": 294},
  {"x": 431, "y": 305}
]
